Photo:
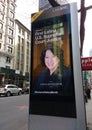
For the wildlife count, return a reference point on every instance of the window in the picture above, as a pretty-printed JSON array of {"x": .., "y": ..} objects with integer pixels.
[
  {"x": 12, "y": 6},
  {"x": 8, "y": 59},
  {"x": 11, "y": 14},
  {"x": 11, "y": 23},
  {"x": 19, "y": 30},
  {"x": 27, "y": 36},
  {"x": 17, "y": 66},
  {"x": 27, "y": 44},
  {"x": 28, "y": 48},
  {"x": 18, "y": 39},
  {"x": 23, "y": 32},
  {"x": 1, "y": 16},
  {"x": 0, "y": 45},
  {"x": 18, "y": 47},
  {"x": 10, "y": 31},
  {"x": 9, "y": 49},
  {"x": 2, "y": 8},
  {"x": 10, "y": 40},
  {"x": 22, "y": 41},
  {"x": 27, "y": 68},
  {"x": 0, "y": 35},
  {"x": 1, "y": 26},
  {"x": 10, "y": 87}
]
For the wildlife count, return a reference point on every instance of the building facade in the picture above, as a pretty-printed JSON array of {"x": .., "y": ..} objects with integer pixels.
[
  {"x": 21, "y": 60},
  {"x": 7, "y": 17},
  {"x": 14, "y": 46}
]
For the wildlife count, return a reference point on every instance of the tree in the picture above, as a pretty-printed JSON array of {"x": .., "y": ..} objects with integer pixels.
[{"x": 82, "y": 11}]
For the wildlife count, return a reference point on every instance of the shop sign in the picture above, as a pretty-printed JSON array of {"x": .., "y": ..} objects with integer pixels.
[{"x": 86, "y": 63}]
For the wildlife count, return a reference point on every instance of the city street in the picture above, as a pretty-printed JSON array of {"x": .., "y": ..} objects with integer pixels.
[{"x": 14, "y": 112}]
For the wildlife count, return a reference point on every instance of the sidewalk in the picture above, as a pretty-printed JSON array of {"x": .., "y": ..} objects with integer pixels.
[{"x": 89, "y": 113}]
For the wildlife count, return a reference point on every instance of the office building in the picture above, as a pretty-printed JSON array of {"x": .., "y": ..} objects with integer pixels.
[
  {"x": 7, "y": 17},
  {"x": 21, "y": 60}
]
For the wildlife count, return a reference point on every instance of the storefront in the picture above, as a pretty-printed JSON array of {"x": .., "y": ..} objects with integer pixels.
[{"x": 9, "y": 76}]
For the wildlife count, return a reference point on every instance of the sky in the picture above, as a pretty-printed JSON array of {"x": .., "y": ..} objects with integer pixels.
[{"x": 24, "y": 9}]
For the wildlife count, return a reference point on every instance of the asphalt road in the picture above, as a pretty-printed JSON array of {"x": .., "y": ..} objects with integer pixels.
[{"x": 14, "y": 112}]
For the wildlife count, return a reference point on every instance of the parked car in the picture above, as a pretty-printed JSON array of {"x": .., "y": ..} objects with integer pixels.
[{"x": 10, "y": 89}]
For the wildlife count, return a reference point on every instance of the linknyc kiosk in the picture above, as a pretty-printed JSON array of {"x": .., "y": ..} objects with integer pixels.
[{"x": 56, "y": 92}]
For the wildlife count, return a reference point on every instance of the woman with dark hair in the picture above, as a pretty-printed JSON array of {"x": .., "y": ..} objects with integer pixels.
[{"x": 56, "y": 78}]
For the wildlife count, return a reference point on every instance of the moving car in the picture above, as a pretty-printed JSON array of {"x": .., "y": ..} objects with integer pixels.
[{"x": 10, "y": 89}]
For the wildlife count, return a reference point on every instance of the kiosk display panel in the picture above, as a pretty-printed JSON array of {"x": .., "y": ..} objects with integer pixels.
[{"x": 52, "y": 90}]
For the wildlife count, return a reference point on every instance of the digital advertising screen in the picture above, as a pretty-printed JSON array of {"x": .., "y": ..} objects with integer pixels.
[{"x": 52, "y": 90}]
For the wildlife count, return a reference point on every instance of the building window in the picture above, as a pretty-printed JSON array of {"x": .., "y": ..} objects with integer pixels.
[
  {"x": 19, "y": 30},
  {"x": 8, "y": 59},
  {"x": 27, "y": 68},
  {"x": 0, "y": 35},
  {"x": 10, "y": 31},
  {"x": 23, "y": 32},
  {"x": 17, "y": 66},
  {"x": 22, "y": 42},
  {"x": 0, "y": 45},
  {"x": 2, "y": 8},
  {"x": 28, "y": 48},
  {"x": 9, "y": 49},
  {"x": 18, "y": 39},
  {"x": 21, "y": 67},
  {"x": 10, "y": 41},
  {"x": 11, "y": 23},
  {"x": 1, "y": 16},
  {"x": 12, "y": 6},
  {"x": 11, "y": 14},
  {"x": 18, "y": 47},
  {"x": 28, "y": 45},
  {"x": 27, "y": 36},
  {"x": 1, "y": 26}
]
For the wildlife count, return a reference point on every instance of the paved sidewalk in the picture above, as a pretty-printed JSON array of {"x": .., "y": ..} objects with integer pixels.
[{"x": 89, "y": 113}]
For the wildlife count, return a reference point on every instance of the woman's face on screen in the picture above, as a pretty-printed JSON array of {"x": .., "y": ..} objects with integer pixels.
[{"x": 51, "y": 61}]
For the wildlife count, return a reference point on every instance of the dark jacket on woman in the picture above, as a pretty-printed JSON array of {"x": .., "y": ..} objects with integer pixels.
[{"x": 54, "y": 84}]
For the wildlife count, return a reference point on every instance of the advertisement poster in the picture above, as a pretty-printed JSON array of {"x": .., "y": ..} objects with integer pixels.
[{"x": 52, "y": 90}]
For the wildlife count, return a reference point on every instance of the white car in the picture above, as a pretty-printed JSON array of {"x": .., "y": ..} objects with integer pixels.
[{"x": 10, "y": 89}]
